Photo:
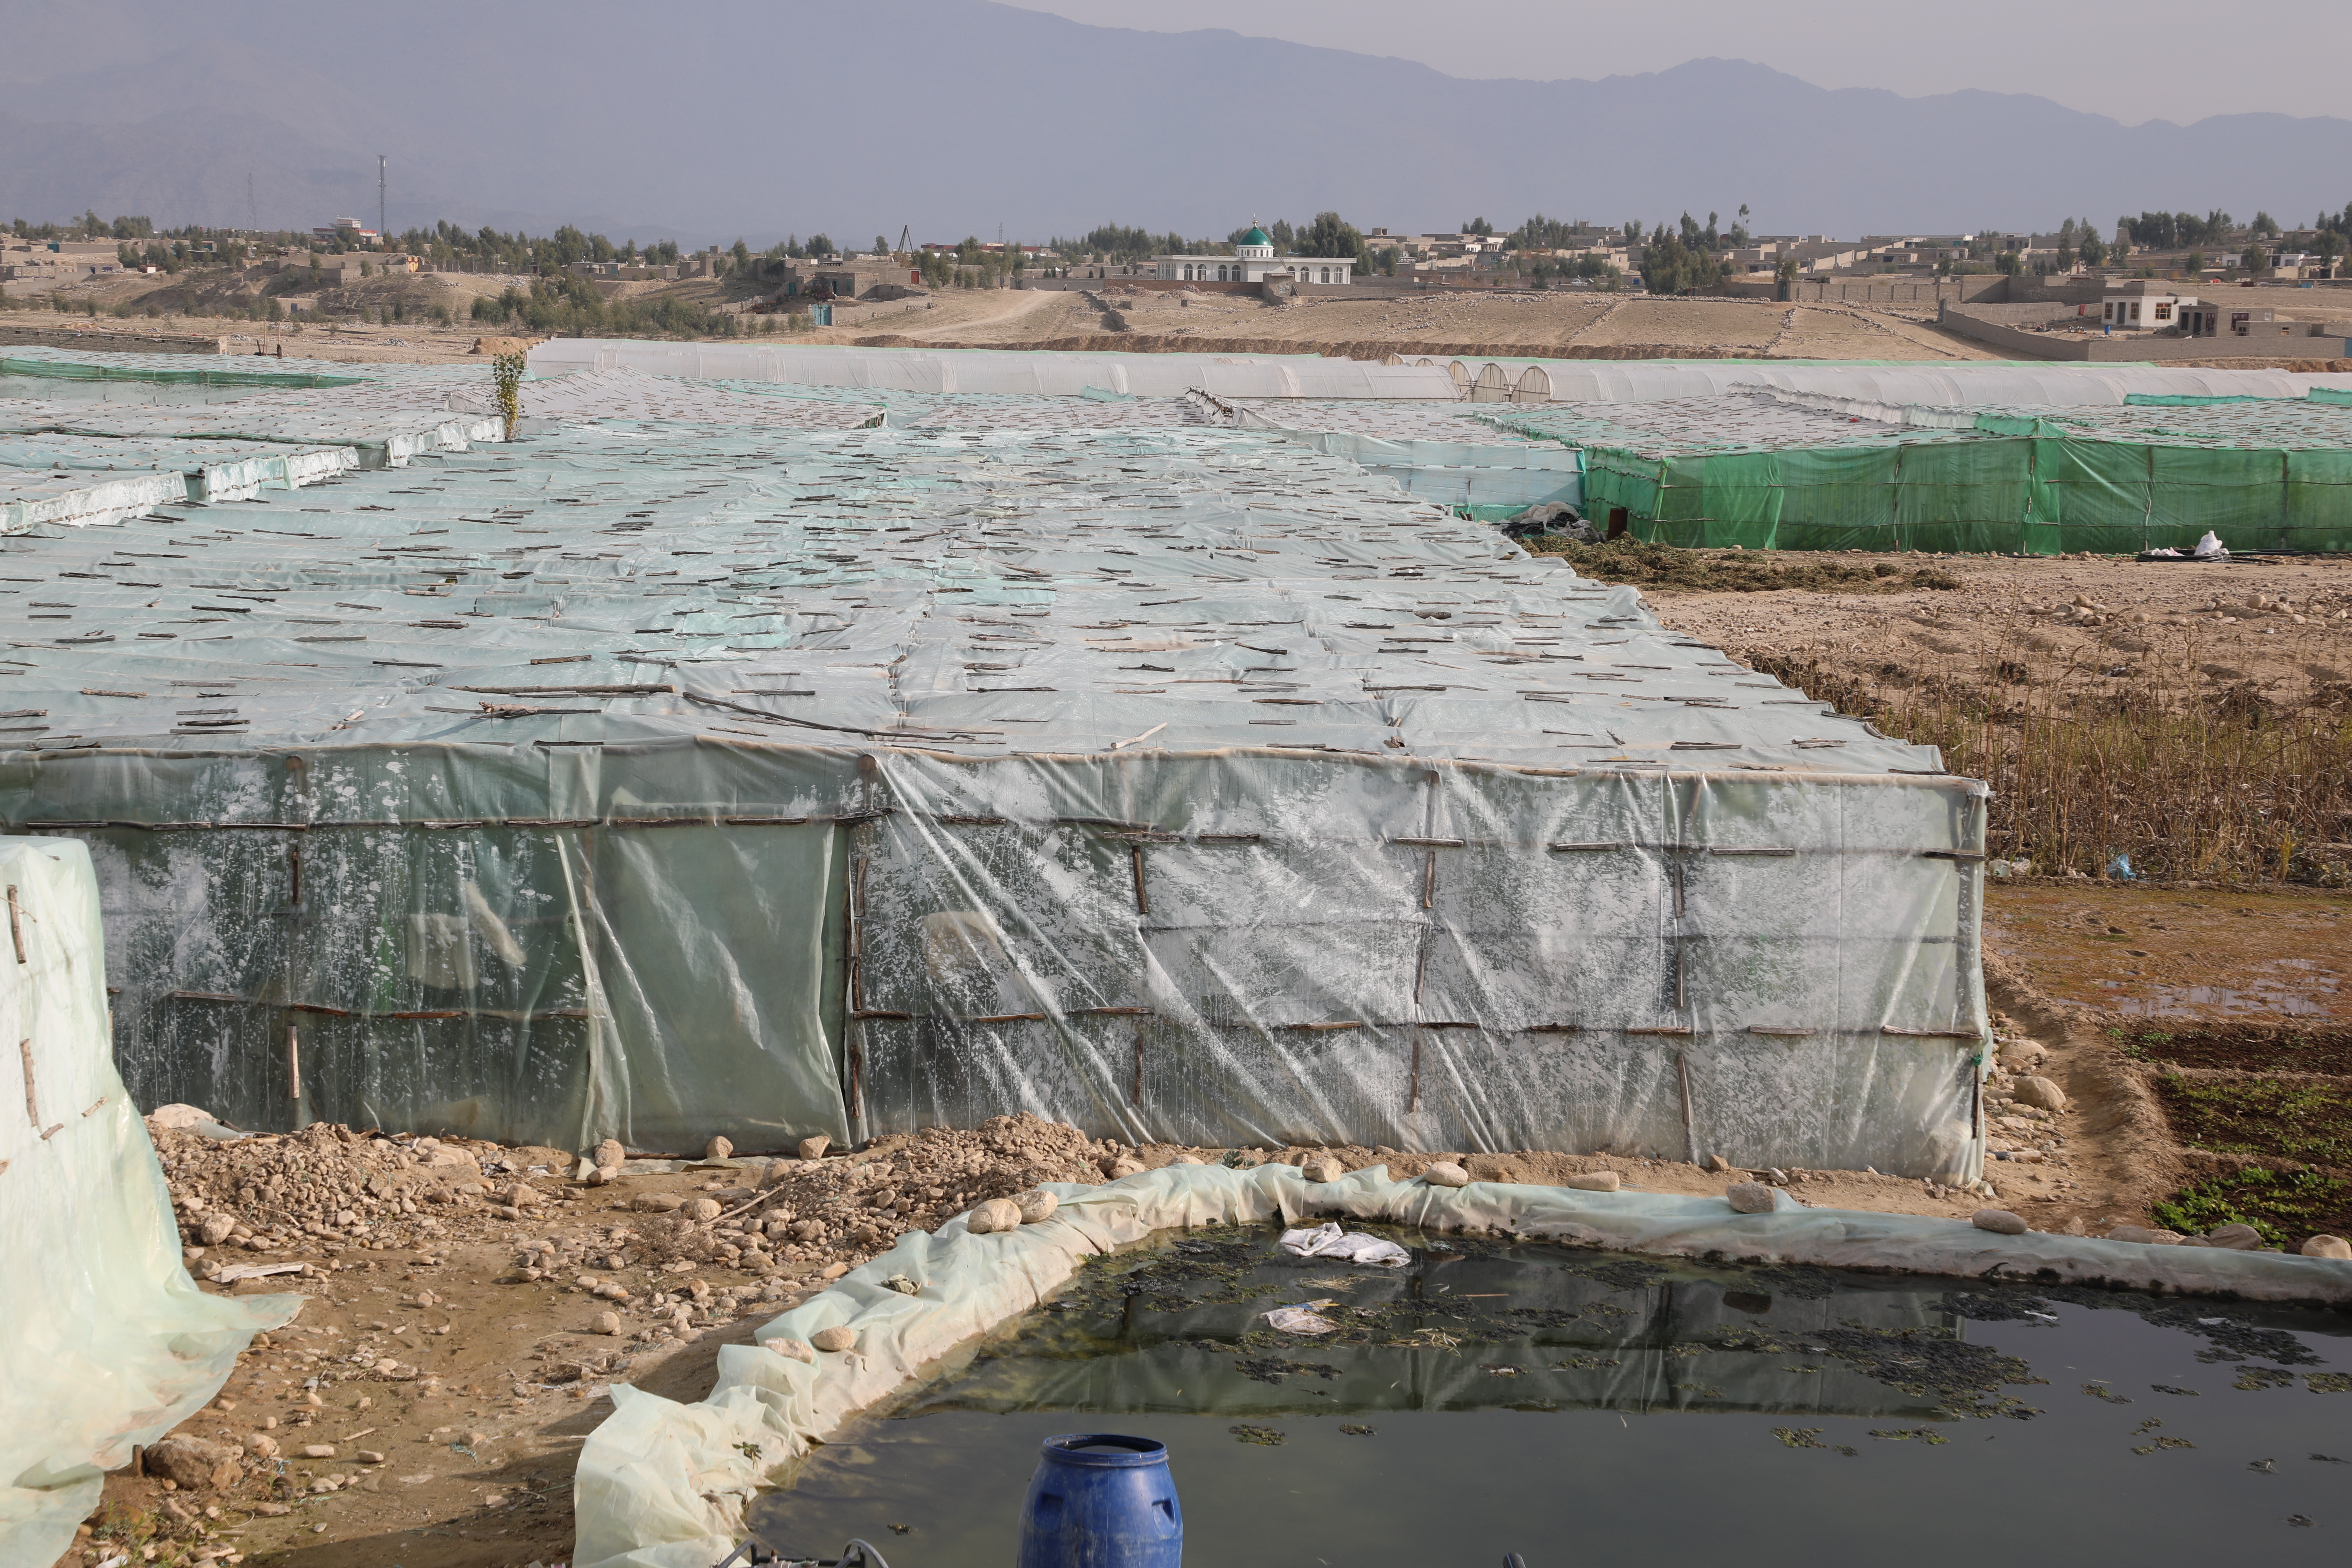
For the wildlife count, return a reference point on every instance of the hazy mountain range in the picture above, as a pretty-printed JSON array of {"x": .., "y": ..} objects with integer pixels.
[{"x": 956, "y": 116}]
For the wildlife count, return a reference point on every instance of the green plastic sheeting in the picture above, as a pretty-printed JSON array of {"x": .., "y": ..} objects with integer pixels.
[
  {"x": 2113, "y": 481},
  {"x": 106, "y": 1343},
  {"x": 178, "y": 374},
  {"x": 665, "y": 1485}
]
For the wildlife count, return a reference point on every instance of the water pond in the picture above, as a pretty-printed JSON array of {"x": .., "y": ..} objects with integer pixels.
[{"x": 1576, "y": 1407}]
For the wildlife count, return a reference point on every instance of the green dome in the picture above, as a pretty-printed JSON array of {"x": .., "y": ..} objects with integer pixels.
[{"x": 1257, "y": 236}]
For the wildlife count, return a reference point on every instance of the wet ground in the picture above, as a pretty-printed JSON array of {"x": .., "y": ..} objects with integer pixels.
[
  {"x": 1581, "y": 1407},
  {"x": 2186, "y": 953}
]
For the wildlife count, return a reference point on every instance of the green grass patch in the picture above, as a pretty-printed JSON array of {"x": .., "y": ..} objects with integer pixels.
[
  {"x": 2291, "y": 1121},
  {"x": 2286, "y": 1207},
  {"x": 1649, "y": 565}
]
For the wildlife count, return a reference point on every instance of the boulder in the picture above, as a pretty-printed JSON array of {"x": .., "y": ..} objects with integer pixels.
[
  {"x": 814, "y": 1147},
  {"x": 607, "y": 1323},
  {"x": 1123, "y": 1167},
  {"x": 701, "y": 1211},
  {"x": 1594, "y": 1182},
  {"x": 2237, "y": 1237},
  {"x": 2144, "y": 1236},
  {"x": 1036, "y": 1204},
  {"x": 718, "y": 1149},
  {"x": 608, "y": 1156},
  {"x": 2040, "y": 1092},
  {"x": 1322, "y": 1168},
  {"x": 193, "y": 1463},
  {"x": 2000, "y": 1221},
  {"x": 996, "y": 1214},
  {"x": 1447, "y": 1173},
  {"x": 836, "y": 1338},
  {"x": 656, "y": 1202},
  {"x": 2327, "y": 1246},
  {"x": 1749, "y": 1197},
  {"x": 791, "y": 1350}
]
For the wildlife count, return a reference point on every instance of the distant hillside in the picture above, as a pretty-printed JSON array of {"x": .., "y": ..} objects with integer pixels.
[{"x": 959, "y": 115}]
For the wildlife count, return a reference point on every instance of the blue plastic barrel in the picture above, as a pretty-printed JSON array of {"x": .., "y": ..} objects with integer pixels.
[{"x": 1100, "y": 1501}]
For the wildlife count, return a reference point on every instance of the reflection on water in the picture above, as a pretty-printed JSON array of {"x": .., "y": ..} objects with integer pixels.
[
  {"x": 2305, "y": 991},
  {"x": 1494, "y": 1397}
]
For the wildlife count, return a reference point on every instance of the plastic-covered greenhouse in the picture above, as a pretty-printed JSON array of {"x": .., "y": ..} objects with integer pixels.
[
  {"x": 1769, "y": 469},
  {"x": 708, "y": 762}
]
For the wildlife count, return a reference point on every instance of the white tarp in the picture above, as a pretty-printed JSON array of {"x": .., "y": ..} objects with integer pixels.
[{"x": 105, "y": 1342}]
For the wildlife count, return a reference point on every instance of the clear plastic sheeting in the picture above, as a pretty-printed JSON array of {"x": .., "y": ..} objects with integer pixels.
[
  {"x": 1019, "y": 372},
  {"x": 666, "y": 1485},
  {"x": 654, "y": 781},
  {"x": 108, "y": 1343}
]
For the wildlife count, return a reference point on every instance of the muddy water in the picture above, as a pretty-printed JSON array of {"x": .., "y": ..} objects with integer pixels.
[
  {"x": 2167, "y": 953},
  {"x": 1582, "y": 1407}
]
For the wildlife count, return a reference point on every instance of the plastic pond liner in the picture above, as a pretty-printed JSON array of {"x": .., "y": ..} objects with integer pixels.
[
  {"x": 1495, "y": 1395},
  {"x": 957, "y": 1353}
]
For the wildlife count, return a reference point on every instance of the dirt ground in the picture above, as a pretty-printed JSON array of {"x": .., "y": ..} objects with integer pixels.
[{"x": 2284, "y": 628}]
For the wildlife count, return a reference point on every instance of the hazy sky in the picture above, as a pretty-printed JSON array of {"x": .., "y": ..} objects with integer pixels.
[{"x": 2151, "y": 59}]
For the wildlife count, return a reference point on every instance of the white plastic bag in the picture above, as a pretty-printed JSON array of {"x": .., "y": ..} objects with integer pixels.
[{"x": 1352, "y": 1247}]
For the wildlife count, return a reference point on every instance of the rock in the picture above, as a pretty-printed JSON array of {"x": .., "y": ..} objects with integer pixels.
[
  {"x": 608, "y": 1323},
  {"x": 318, "y": 1450},
  {"x": 1749, "y": 1198},
  {"x": 2144, "y": 1236},
  {"x": 791, "y": 1350},
  {"x": 1718, "y": 1162},
  {"x": 1187, "y": 1160},
  {"x": 179, "y": 1118},
  {"x": 1123, "y": 1167},
  {"x": 717, "y": 1150},
  {"x": 702, "y": 1211},
  {"x": 656, "y": 1202},
  {"x": 836, "y": 1338},
  {"x": 996, "y": 1214},
  {"x": 193, "y": 1462},
  {"x": 2327, "y": 1246},
  {"x": 367, "y": 1455},
  {"x": 263, "y": 1287},
  {"x": 1321, "y": 1168},
  {"x": 2237, "y": 1237},
  {"x": 833, "y": 1271},
  {"x": 216, "y": 1228},
  {"x": 260, "y": 1444},
  {"x": 599, "y": 1177},
  {"x": 2000, "y": 1221},
  {"x": 1036, "y": 1206},
  {"x": 1595, "y": 1181},
  {"x": 1447, "y": 1173},
  {"x": 814, "y": 1147},
  {"x": 608, "y": 1156},
  {"x": 2040, "y": 1092}
]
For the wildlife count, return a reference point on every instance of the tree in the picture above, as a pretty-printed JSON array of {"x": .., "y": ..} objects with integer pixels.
[
  {"x": 1479, "y": 226},
  {"x": 820, "y": 244},
  {"x": 741, "y": 254},
  {"x": 1330, "y": 234},
  {"x": 2095, "y": 249},
  {"x": 1670, "y": 265},
  {"x": 2265, "y": 226},
  {"x": 2255, "y": 258},
  {"x": 2009, "y": 262},
  {"x": 881, "y": 245}
]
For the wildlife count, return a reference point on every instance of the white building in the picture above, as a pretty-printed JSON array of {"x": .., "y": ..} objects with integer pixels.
[
  {"x": 2141, "y": 306},
  {"x": 1252, "y": 260}
]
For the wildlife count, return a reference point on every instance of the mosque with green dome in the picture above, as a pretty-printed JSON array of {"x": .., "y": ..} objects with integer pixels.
[{"x": 1251, "y": 261}]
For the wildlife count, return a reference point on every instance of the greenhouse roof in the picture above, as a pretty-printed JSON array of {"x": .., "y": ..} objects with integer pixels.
[{"x": 625, "y": 577}]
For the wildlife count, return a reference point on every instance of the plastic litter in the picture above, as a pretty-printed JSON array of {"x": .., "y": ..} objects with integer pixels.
[
  {"x": 1306, "y": 1318},
  {"x": 2210, "y": 545},
  {"x": 2120, "y": 867},
  {"x": 1355, "y": 1246}
]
